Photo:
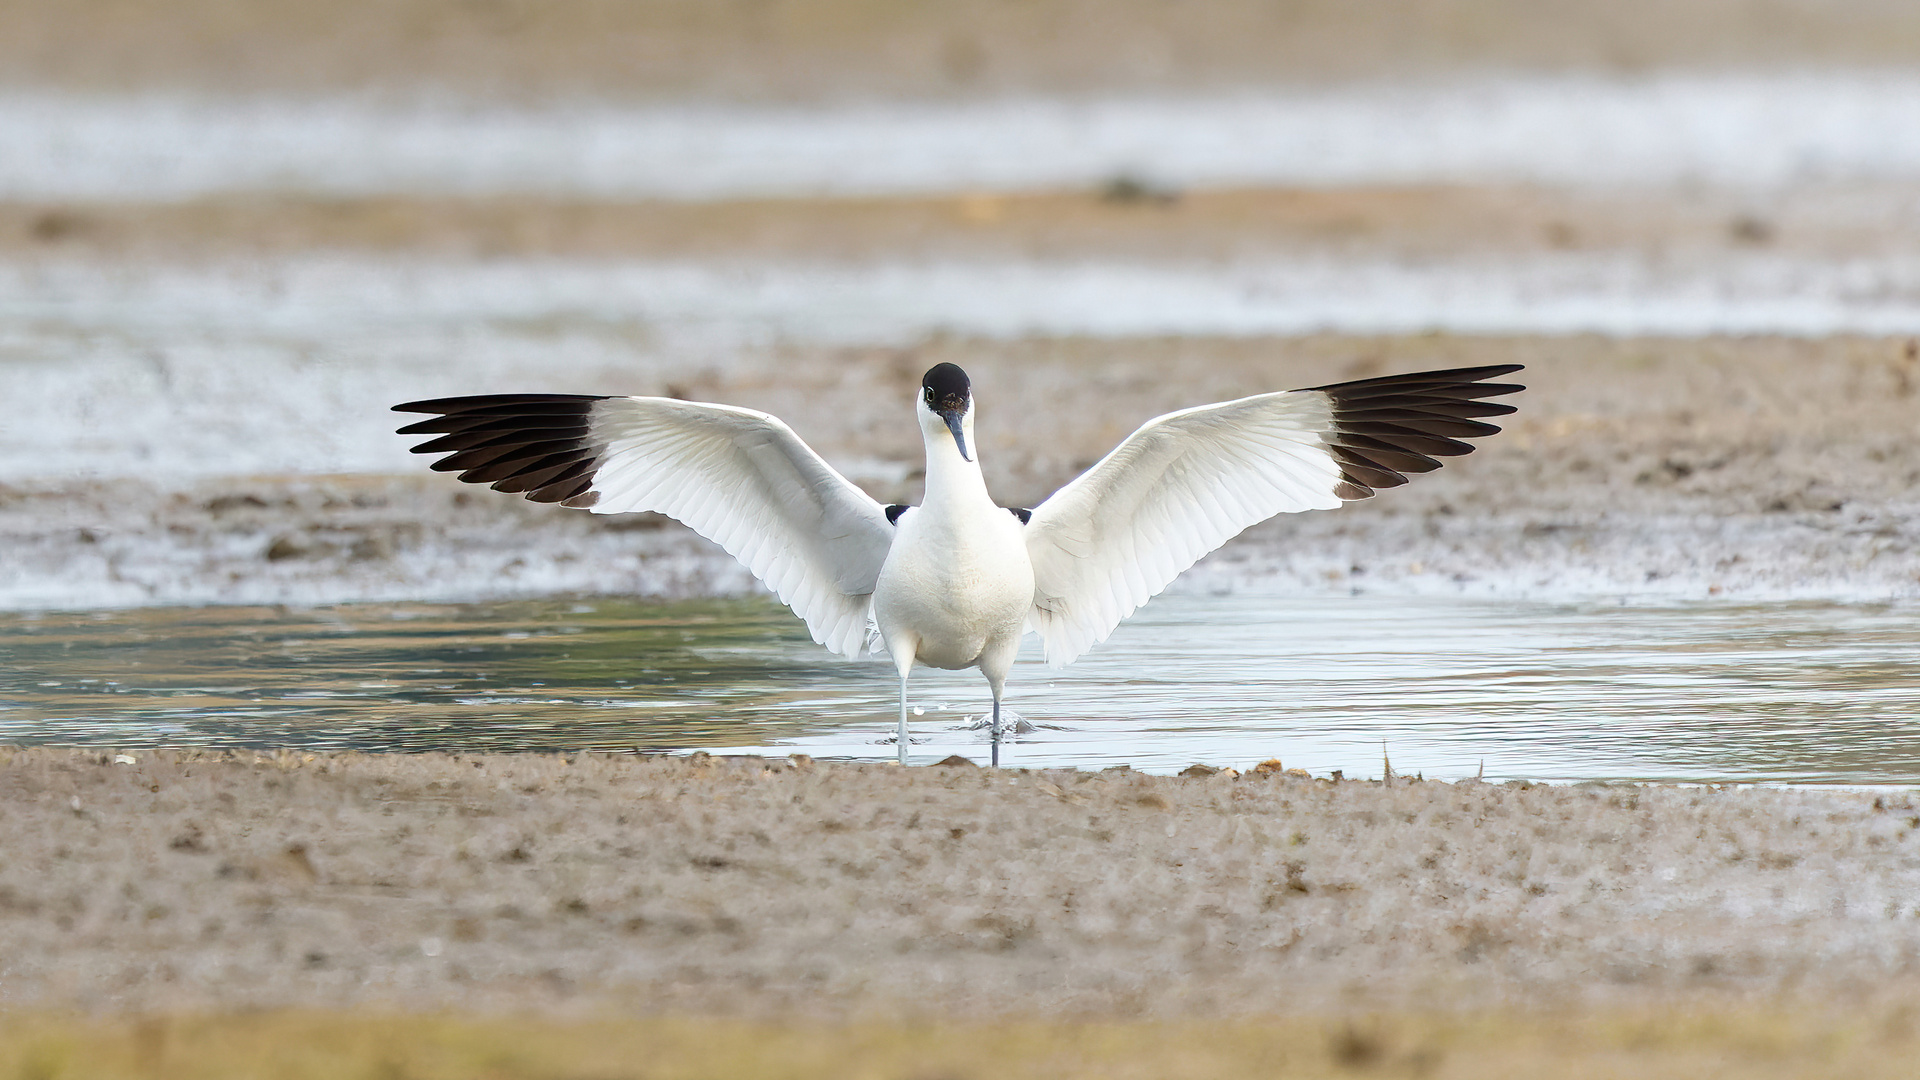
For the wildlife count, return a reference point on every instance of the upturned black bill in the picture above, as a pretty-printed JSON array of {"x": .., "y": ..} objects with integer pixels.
[{"x": 952, "y": 417}]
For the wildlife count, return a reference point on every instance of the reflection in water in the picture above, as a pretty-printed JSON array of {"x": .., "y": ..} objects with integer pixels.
[{"x": 1799, "y": 692}]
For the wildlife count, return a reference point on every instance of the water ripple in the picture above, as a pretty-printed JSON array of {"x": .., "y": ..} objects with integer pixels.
[{"x": 1449, "y": 688}]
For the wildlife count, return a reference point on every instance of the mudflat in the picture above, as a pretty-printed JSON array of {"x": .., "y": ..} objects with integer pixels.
[{"x": 168, "y": 881}]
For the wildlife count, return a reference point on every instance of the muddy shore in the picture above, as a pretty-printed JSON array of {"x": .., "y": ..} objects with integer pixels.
[{"x": 176, "y": 881}]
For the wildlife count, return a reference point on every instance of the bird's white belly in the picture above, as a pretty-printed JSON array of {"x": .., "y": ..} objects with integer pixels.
[{"x": 952, "y": 596}]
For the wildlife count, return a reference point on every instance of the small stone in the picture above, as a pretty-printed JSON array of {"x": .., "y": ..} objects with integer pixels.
[
  {"x": 294, "y": 863},
  {"x": 56, "y": 225},
  {"x": 223, "y": 504},
  {"x": 1128, "y": 189},
  {"x": 1198, "y": 770},
  {"x": 956, "y": 761},
  {"x": 1750, "y": 229}
]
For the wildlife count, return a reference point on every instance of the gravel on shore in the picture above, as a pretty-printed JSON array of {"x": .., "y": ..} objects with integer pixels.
[{"x": 146, "y": 880}]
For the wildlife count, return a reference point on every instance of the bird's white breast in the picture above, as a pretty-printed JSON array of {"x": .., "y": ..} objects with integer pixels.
[{"x": 954, "y": 583}]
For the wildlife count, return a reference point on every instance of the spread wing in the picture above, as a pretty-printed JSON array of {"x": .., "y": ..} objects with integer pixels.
[
  {"x": 1189, "y": 481},
  {"x": 738, "y": 477}
]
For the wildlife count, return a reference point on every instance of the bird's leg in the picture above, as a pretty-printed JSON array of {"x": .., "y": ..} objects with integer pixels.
[
  {"x": 996, "y": 682},
  {"x": 903, "y": 718},
  {"x": 994, "y": 731},
  {"x": 902, "y": 652},
  {"x": 995, "y": 664}
]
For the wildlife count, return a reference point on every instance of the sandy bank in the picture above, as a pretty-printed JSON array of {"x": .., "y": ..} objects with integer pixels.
[
  {"x": 1418, "y": 221},
  {"x": 841, "y": 48},
  {"x": 177, "y": 881}
]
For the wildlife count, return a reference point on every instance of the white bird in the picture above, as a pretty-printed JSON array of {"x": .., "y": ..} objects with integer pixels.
[{"x": 957, "y": 581}]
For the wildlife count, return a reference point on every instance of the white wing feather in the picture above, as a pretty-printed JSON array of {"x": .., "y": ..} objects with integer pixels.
[
  {"x": 744, "y": 480},
  {"x": 1176, "y": 489}
]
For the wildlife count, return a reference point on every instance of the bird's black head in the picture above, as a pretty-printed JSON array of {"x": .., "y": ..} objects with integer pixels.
[{"x": 946, "y": 388}]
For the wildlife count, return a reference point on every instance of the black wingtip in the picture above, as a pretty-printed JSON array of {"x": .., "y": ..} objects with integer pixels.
[
  {"x": 1386, "y": 427},
  {"x": 1441, "y": 381},
  {"x": 536, "y": 445}
]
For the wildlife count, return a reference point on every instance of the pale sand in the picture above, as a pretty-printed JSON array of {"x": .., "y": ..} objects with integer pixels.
[
  {"x": 1421, "y": 222},
  {"x": 746, "y": 887},
  {"x": 788, "y": 49}
]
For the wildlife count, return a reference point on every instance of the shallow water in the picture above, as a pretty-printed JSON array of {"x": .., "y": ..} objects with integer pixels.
[{"x": 1782, "y": 693}]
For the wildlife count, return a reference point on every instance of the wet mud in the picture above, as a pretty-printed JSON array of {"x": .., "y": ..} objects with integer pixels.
[{"x": 179, "y": 881}]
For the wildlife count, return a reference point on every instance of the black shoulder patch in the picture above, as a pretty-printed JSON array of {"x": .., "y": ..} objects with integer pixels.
[
  {"x": 1022, "y": 513},
  {"x": 1387, "y": 427},
  {"x": 539, "y": 445},
  {"x": 894, "y": 512}
]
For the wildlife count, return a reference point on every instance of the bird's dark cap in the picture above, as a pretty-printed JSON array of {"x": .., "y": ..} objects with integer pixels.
[{"x": 946, "y": 388}]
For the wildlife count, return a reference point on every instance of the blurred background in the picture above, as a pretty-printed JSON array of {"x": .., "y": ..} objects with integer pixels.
[
  {"x": 233, "y": 232},
  {"x": 836, "y": 50}
]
